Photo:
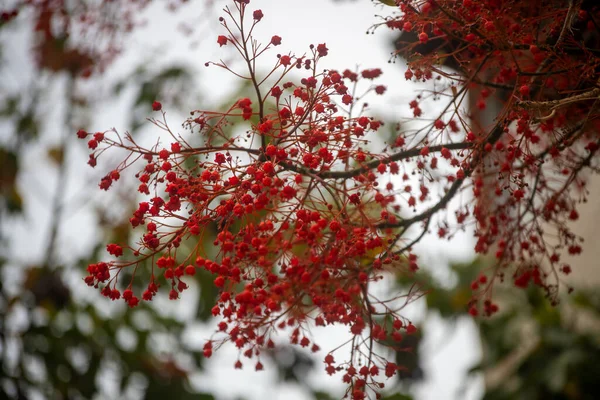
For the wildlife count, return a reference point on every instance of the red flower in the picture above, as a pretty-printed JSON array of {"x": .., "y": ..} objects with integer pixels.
[
  {"x": 276, "y": 40},
  {"x": 222, "y": 40},
  {"x": 285, "y": 60},
  {"x": 257, "y": 15},
  {"x": 322, "y": 50}
]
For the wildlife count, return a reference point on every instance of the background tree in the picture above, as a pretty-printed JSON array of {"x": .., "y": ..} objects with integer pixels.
[{"x": 54, "y": 342}]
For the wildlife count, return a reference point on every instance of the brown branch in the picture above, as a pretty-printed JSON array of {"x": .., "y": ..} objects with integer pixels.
[
  {"x": 57, "y": 207},
  {"x": 252, "y": 72},
  {"x": 554, "y": 104},
  {"x": 374, "y": 163},
  {"x": 574, "y": 6},
  {"x": 492, "y": 138}
]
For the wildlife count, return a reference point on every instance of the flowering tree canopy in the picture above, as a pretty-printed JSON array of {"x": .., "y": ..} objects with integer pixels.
[{"x": 310, "y": 216}]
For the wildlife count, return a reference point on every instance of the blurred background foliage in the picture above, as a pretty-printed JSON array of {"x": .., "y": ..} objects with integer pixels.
[
  {"x": 56, "y": 344},
  {"x": 531, "y": 349}
]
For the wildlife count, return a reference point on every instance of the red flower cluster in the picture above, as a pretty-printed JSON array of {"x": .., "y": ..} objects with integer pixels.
[{"x": 309, "y": 218}]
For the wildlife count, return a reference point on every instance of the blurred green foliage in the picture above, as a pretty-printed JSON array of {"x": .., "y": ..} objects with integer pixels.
[
  {"x": 543, "y": 351},
  {"x": 53, "y": 343},
  {"x": 563, "y": 362}
]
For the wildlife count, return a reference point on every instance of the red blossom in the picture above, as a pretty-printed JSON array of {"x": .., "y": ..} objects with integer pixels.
[
  {"x": 257, "y": 15},
  {"x": 322, "y": 50},
  {"x": 276, "y": 40},
  {"x": 222, "y": 40},
  {"x": 305, "y": 213}
]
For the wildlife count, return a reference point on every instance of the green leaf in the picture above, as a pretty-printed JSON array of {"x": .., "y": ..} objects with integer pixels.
[
  {"x": 398, "y": 396},
  {"x": 27, "y": 126},
  {"x": 14, "y": 201},
  {"x": 10, "y": 107},
  {"x": 9, "y": 166},
  {"x": 322, "y": 396},
  {"x": 208, "y": 295},
  {"x": 56, "y": 154}
]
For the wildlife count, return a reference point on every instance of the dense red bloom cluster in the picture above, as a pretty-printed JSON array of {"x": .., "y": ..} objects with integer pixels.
[
  {"x": 310, "y": 218},
  {"x": 538, "y": 62}
]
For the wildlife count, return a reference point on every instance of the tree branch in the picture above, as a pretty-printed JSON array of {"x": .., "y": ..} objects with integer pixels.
[
  {"x": 414, "y": 152},
  {"x": 492, "y": 138}
]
